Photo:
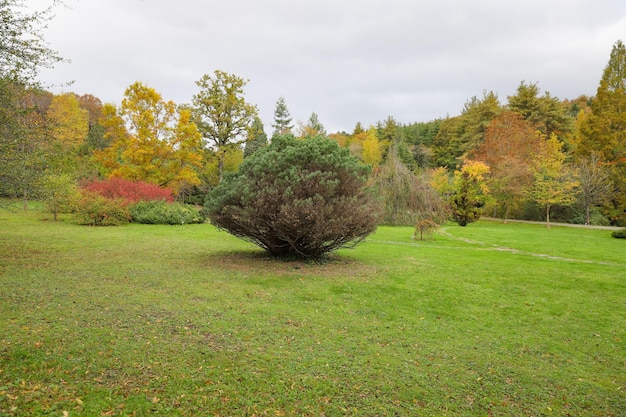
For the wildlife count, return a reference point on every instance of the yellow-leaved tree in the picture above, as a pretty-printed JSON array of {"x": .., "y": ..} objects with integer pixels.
[
  {"x": 554, "y": 184},
  {"x": 151, "y": 140}
]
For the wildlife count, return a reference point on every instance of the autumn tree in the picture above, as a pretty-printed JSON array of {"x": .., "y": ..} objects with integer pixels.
[
  {"x": 312, "y": 128},
  {"x": 222, "y": 114},
  {"x": 69, "y": 122},
  {"x": 282, "y": 119},
  {"x": 604, "y": 129},
  {"x": 469, "y": 192},
  {"x": 508, "y": 148},
  {"x": 553, "y": 184},
  {"x": 366, "y": 146},
  {"x": 151, "y": 140}
]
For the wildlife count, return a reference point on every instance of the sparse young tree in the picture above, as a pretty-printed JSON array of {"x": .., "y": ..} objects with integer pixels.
[{"x": 596, "y": 185}]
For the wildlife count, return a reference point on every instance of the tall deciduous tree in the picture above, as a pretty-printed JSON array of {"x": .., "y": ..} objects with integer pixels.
[
  {"x": 282, "y": 119},
  {"x": 151, "y": 141},
  {"x": 604, "y": 130},
  {"x": 69, "y": 122},
  {"x": 553, "y": 184},
  {"x": 222, "y": 114},
  {"x": 23, "y": 52},
  {"x": 508, "y": 149}
]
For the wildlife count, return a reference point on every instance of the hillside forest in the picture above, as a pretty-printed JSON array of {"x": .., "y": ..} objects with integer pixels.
[{"x": 530, "y": 156}]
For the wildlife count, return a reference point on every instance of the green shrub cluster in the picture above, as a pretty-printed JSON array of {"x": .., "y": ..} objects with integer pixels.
[
  {"x": 162, "y": 212},
  {"x": 96, "y": 210},
  {"x": 619, "y": 234}
]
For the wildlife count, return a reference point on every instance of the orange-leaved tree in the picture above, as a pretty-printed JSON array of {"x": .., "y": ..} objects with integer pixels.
[{"x": 509, "y": 146}]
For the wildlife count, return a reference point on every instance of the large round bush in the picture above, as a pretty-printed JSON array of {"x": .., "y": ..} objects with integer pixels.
[{"x": 297, "y": 198}]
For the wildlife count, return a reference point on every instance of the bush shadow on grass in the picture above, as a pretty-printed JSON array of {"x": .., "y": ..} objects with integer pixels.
[{"x": 256, "y": 262}]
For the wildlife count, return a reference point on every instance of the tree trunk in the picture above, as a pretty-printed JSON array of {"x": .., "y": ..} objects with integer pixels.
[
  {"x": 548, "y": 216},
  {"x": 587, "y": 215}
]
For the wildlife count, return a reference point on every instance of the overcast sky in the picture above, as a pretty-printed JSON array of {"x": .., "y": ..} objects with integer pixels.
[{"x": 348, "y": 61}]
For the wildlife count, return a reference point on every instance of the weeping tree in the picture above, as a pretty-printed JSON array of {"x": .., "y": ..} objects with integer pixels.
[
  {"x": 409, "y": 197},
  {"x": 301, "y": 198}
]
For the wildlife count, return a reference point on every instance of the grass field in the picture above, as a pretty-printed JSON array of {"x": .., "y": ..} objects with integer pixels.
[{"x": 486, "y": 320}]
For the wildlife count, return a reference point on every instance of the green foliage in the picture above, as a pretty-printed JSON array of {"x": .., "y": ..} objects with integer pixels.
[
  {"x": 221, "y": 113},
  {"x": 96, "y": 210},
  {"x": 296, "y": 197},
  {"x": 162, "y": 212},
  {"x": 257, "y": 138},
  {"x": 282, "y": 119},
  {"x": 60, "y": 194},
  {"x": 619, "y": 234}
]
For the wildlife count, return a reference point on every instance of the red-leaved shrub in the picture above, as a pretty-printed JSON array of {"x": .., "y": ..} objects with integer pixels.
[{"x": 131, "y": 191}]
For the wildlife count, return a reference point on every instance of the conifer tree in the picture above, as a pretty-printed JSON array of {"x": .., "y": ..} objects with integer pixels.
[
  {"x": 282, "y": 119},
  {"x": 604, "y": 130},
  {"x": 257, "y": 138}
]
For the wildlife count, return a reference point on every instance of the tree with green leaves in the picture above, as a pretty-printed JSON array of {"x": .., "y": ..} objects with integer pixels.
[
  {"x": 546, "y": 113},
  {"x": 553, "y": 183},
  {"x": 604, "y": 130},
  {"x": 222, "y": 113},
  {"x": 23, "y": 53},
  {"x": 282, "y": 119},
  {"x": 458, "y": 136},
  {"x": 257, "y": 138},
  {"x": 301, "y": 198}
]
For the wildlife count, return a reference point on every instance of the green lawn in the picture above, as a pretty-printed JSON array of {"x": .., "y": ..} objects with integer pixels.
[{"x": 486, "y": 320}]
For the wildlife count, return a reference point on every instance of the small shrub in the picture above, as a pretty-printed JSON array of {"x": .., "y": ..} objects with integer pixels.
[
  {"x": 161, "y": 212},
  {"x": 619, "y": 234},
  {"x": 96, "y": 210},
  {"x": 425, "y": 227},
  {"x": 132, "y": 191}
]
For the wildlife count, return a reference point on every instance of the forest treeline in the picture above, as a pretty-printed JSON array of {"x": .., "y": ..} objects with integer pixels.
[{"x": 530, "y": 156}]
